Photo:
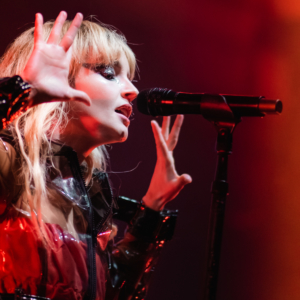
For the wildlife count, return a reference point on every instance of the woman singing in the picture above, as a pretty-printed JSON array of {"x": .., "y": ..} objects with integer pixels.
[{"x": 65, "y": 93}]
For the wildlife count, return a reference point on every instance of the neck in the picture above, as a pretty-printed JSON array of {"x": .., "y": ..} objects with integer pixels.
[{"x": 77, "y": 139}]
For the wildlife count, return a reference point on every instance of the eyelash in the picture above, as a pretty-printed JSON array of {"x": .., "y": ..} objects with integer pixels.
[
  {"x": 99, "y": 69},
  {"x": 102, "y": 70}
]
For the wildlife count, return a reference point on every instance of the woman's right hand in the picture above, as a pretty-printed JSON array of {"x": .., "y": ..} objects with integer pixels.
[{"x": 47, "y": 69}]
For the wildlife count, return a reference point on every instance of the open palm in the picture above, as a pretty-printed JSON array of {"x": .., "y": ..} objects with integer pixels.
[
  {"x": 165, "y": 183},
  {"x": 47, "y": 69}
]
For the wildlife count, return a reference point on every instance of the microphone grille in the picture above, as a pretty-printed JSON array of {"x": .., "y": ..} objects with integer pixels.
[
  {"x": 149, "y": 96},
  {"x": 141, "y": 101}
]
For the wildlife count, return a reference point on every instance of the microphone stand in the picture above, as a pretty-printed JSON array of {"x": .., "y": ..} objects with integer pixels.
[{"x": 215, "y": 109}]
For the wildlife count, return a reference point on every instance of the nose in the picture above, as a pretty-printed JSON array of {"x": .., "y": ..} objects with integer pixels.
[{"x": 129, "y": 91}]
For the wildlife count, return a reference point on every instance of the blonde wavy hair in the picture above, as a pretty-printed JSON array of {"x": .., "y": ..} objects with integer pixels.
[{"x": 33, "y": 130}]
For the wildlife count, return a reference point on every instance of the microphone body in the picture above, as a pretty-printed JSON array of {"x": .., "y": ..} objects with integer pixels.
[{"x": 165, "y": 102}]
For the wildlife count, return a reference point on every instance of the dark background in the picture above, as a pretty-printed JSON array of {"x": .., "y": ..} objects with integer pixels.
[{"x": 217, "y": 46}]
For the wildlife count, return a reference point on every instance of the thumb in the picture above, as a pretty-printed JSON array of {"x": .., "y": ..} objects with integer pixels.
[
  {"x": 184, "y": 179},
  {"x": 81, "y": 96}
]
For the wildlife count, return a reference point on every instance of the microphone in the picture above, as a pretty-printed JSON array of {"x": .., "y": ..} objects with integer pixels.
[{"x": 165, "y": 102}]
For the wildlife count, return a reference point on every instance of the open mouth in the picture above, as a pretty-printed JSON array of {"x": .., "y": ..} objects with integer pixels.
[{"x": 124, "y": 110}]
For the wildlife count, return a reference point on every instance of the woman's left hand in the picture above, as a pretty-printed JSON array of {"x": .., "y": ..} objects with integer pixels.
[{"x": 165, "y": 183}]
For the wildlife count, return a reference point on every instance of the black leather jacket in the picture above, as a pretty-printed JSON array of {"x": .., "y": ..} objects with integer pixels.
[{"x": 114, "y": 271}]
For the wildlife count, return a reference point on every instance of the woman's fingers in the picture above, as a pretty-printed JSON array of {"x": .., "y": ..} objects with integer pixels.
[
  {"x": 38, "y": 28},
  {"x": 160, "y": 134},
  {"x": 174, "y": 135},
  {"x": 54, "y": 36},
  {"x": 68, "y": 38},
  {"x": 165, "y": 129},
  {"x": 161, "y": 145}
]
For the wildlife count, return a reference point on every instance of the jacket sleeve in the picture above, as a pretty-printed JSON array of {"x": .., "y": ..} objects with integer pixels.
[
  {"x": 133, "y": 259},
  {"x": 14, "y": 99}
]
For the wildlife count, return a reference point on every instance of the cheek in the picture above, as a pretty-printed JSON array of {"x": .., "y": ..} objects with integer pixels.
[
  {"x": 103, "y": 97},
  {"x": 95, "y": 86},
  {"x": 103, "y": 93}
]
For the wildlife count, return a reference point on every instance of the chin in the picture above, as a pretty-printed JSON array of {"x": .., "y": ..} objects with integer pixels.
[
  {"x": 120, "y": 137},
  {"x": 123, "y": 137}
]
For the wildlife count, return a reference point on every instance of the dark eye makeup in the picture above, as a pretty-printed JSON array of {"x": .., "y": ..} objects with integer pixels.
[{"x": 107, "y": 71}]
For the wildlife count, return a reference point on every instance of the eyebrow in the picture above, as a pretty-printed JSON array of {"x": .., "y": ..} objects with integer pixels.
[{"x": 117, "y": 64}]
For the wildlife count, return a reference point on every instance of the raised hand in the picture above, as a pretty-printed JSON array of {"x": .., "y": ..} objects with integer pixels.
[
  {"x": 165, "y": 183},
  {"x": 47, "y": 69}
]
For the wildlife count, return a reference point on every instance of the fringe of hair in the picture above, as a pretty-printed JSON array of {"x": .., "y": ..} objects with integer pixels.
[{"x": 34, "y": 129}]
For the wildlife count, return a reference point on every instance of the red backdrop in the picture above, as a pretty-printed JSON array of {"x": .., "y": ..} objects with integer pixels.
[{"x": 218, "y": 46}]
